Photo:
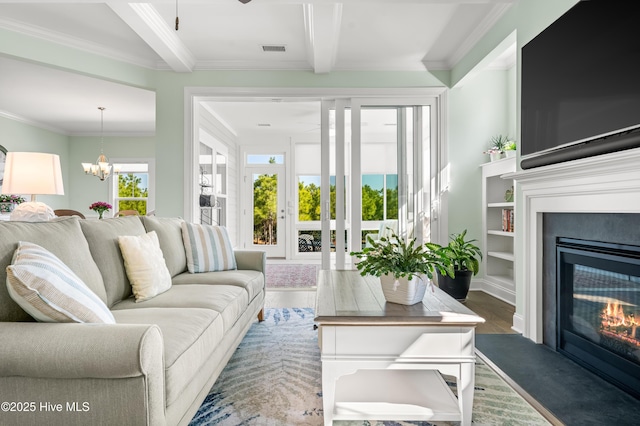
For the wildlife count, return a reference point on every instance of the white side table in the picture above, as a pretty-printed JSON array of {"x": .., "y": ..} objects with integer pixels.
[{"x": 382, "y": 361}]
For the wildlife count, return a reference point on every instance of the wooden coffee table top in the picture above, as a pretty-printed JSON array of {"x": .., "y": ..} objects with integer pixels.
[{"x": 346, "y": 297}]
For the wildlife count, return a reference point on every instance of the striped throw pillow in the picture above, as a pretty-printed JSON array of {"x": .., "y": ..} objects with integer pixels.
[
  {"x": 51, "y": 292},
  {"x": 208, "y": 248}
]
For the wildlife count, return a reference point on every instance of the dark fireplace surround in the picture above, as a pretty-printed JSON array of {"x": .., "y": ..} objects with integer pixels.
[{"x": 587, "y": 238}]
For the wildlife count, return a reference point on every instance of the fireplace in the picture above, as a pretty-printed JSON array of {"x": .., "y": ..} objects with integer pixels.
[{"x": 598, "y": 308}]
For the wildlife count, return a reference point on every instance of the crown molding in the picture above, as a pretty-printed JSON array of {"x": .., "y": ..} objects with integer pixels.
[
  {"x": 73, "y": 42},
  {"x": 480, "y": 31},
  {"x": 24, "y": 120}
]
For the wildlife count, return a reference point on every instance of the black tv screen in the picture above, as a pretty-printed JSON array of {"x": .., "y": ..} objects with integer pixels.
[{"x": 581, "y": 80}]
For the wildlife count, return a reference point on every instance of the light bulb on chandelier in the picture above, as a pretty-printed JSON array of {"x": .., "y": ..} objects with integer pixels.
[{"x": 101, "y": 168}]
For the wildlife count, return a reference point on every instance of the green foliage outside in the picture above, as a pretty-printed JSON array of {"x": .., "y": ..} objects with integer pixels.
[
  {"x": 265, "y": 204},
  {"x": 130, "y": 185}
]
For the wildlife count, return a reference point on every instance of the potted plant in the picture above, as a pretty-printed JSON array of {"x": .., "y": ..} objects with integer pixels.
[
  {"x": 404, "y": 269},
  {"x": 497, "y": 147},
  {"x": 465, "y": 258},
  {"x": 510, "y": 149}
]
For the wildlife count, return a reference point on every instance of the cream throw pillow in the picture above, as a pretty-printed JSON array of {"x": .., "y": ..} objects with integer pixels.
[
  {"x": 50, "y": 291},
  {"x": 145, "y": 265}
]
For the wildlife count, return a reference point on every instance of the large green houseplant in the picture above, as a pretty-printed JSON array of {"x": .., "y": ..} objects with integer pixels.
[
  {"x": 465, "y": 258},
  {"x": 404, "y": 268}
]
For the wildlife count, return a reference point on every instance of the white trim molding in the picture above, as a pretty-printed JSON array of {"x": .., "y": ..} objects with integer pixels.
[{"x": 602, "y": 184}]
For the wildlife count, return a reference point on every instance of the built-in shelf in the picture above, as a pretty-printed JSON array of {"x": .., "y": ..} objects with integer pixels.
[
  {"x": 497, "y": 218},
  {"x": 501, "y": 255},
  {"x": 501, "y": 233}
]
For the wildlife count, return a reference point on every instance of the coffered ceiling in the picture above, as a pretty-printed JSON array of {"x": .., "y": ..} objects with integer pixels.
[{"x": 319, "y": 36}]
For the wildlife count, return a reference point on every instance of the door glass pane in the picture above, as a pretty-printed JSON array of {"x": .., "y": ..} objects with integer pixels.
[{"x": 265, "y": 205}]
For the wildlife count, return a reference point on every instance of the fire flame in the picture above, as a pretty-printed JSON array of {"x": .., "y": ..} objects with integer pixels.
[{"x": 613, "y": 316}]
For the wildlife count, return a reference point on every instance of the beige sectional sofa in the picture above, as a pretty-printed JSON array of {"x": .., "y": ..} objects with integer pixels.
[{"x": 154, "y": 366}]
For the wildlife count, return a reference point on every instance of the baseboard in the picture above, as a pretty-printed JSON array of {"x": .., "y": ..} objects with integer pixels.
[
  {"x": 507, "y": 296},
  {"x": 518, "y": 323}
]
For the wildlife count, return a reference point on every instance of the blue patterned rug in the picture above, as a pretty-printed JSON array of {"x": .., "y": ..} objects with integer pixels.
[{"x": 274, "y": 379}]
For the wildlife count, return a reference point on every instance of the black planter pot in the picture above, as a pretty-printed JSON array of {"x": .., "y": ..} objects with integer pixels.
[{"x": 457, "y": 287}]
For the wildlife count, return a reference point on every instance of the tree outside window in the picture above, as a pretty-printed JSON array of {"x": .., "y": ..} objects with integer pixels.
[{"x": 133, "y": 192}]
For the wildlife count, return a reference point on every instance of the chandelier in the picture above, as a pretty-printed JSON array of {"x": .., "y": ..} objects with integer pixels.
[{"x": 101, "y": 168}]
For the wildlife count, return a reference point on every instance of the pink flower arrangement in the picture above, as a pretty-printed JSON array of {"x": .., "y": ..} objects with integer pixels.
[{"x": 100, "y": 207}]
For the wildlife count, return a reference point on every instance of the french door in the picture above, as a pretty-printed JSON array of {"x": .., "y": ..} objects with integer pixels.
[
  {"x": 382, "y": 157},
  {"x": 267, "y": 212}
]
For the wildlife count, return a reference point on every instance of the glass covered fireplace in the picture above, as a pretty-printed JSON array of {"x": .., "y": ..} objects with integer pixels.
[{"x": 598, "y": 318}]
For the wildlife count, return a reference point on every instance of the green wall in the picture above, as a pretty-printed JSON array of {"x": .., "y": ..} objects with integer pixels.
[
  {"x": 477, "y": 111},
  {"x": 21, "y": 137}
]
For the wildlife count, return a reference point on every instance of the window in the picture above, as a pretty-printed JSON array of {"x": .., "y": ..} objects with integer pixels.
[{"x": 132, "y": 188}]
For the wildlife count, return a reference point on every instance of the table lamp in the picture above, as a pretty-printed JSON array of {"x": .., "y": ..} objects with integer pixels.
[{"x": 33, "y": 173}]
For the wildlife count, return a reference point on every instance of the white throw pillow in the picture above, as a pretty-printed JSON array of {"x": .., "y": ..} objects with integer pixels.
[
  {"x": 51, "y": 292},
  {"x": 145, "y": 265},
  {"x": 208, "y": 248}
]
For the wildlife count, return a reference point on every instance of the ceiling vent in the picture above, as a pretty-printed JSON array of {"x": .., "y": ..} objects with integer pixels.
[
  {"x": 264, "y": 125},
  {"x": 273, "y": 48}
]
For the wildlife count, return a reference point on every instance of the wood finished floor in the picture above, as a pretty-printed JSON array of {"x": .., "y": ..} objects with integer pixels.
[{"x": 498, "y": 314}]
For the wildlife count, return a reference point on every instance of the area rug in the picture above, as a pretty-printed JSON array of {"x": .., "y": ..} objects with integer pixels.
[
  {"x": 280, "y": 275},
  {"x": 274, "y": 379}
]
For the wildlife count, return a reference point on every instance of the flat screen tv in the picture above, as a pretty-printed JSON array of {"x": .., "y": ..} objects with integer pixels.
[{"x": 581, "y": 84}]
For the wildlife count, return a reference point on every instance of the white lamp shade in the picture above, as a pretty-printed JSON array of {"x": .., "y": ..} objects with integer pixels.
[{"x": 33, "y": 173}]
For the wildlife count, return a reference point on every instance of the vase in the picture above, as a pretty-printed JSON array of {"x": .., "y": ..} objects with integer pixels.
[
  {"x": 403, "y": 291},
  {"x": 495, "y": 156},
  {"x": 100, "y": 213}
]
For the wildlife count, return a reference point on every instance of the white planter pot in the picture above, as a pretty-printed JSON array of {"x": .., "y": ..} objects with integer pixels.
[
  {"x": 402, "y": 290},
  {"x": 495, "y": 156},
  {"x": 510, "y": 153}
]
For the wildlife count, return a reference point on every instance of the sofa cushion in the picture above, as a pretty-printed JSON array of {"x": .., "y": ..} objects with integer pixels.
[
  {"x": 208, "y": 248},
  {"x": 190, "y": 337},
  {"x": 251, "y": 281},
  {"x": 62, "y": 237},
  {"x": 51, "y": 292},
  {"x": 169, "y": 230},
  {"x": 145, "y": 265},
  {"x": 102, "y": 236},
  {"x": 229, "y": 301}
]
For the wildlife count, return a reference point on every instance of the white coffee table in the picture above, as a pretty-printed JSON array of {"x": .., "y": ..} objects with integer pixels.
[{"x": 383, "y": 361}]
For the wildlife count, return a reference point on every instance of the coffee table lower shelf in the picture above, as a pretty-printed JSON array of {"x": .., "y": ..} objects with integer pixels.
[{"x": 394, "y": 394}]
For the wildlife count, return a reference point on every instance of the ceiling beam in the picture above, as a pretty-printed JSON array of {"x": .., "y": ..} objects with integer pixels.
[
  {"x": 145, "y": 20},
  {"x": 322, "y": 33}
]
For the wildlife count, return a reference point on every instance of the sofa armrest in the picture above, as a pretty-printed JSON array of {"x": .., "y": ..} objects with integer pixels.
[
  {"x": 254, "y": 260},
  {"x": 78, "y": 374},
  {"x": 73, "y": 351}
]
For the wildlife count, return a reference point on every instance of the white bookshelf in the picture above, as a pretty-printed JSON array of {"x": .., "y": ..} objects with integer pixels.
[{"x": 498, "y": 237}]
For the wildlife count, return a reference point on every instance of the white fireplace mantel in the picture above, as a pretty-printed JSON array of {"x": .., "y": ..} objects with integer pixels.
[{"x": 603, "y": 184}]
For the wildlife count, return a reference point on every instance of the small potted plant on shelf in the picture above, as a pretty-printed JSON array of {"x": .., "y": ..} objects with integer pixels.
[
  {"x": 497, "y": 147},
  {"x": 465, "y": 258},
  {"x": 405, "y": 268},
  {"x": 510, "y": 149}
]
